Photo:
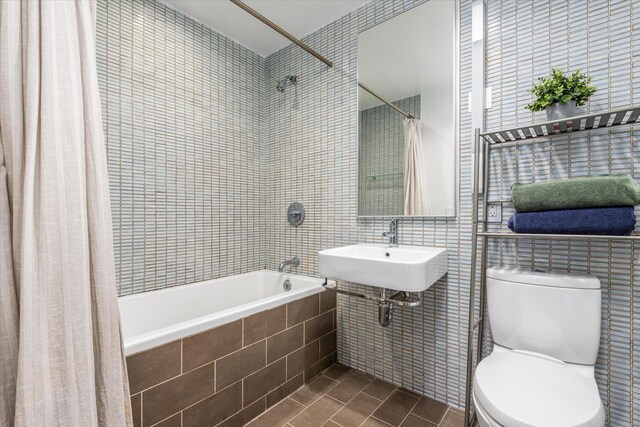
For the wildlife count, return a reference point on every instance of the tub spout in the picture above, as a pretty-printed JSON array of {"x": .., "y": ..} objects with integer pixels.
[{"x": 295, "y": 261}]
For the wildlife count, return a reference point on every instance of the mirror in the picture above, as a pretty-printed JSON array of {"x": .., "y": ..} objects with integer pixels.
[{"x": 407, "y": 166}]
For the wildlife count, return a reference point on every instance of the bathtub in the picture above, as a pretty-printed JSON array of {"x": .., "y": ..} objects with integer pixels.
[{"x": 154, "y": 318}]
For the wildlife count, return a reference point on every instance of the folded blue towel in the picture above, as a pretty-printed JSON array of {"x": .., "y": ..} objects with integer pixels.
[{"x": 613, "y": 221}]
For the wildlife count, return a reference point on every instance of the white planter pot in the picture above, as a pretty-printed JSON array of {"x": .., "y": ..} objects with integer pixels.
[{"x": 559, "y": 110}]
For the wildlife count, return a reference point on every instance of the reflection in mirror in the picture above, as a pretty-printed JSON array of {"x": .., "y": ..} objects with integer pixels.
[{"x": 407, "y": 151}]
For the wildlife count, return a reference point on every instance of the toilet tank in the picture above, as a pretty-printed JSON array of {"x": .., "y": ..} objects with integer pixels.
[{"x": 556, "y": 314}]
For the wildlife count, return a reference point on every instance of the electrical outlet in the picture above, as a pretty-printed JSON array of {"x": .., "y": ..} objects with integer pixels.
[{"x": 494, "y": 212}]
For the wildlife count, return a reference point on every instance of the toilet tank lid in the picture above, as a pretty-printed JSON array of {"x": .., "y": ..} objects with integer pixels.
[{"x": 554, "y": 279}]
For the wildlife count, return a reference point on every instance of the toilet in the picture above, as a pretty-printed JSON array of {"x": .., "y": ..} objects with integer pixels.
[{"x": 546, "y": 332}]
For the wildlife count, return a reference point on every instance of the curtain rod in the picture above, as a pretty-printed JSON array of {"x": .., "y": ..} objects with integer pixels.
[
  {"x": 390, "y": 104},
  {"x": 271, "y": 24}
]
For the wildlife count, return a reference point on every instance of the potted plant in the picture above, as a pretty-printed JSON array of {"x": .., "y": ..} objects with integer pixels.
[{"x": 560, "y": 93}]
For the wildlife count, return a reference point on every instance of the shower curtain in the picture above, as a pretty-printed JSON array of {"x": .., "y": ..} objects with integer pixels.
[
  {"x": 416, "y": 198},
  {"x": 61, "y": 358}
]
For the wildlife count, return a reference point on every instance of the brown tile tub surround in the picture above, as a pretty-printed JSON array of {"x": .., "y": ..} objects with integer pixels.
[
  {"x": 230, "y": 374},
  {"x": 342, "y": 397}
]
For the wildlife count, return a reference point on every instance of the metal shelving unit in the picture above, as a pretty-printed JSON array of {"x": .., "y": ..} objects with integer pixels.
[{"x": 484, "y": 142}]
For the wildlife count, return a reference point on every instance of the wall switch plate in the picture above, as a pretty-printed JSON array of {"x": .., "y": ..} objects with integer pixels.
[
  {"x": 494, "y": 212},
  {"x": 488, "y": 100}
]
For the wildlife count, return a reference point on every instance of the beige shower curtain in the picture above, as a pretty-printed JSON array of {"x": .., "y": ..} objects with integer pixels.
[
  {"x": 416, "y": 198},
  {"x": 61, "y": 359}
]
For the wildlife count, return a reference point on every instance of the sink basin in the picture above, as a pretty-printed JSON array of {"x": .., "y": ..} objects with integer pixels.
[{"x": 403, "y": 268}]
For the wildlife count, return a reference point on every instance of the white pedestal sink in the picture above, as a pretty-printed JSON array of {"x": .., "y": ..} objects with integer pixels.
[{"x": 403, "y": 268}]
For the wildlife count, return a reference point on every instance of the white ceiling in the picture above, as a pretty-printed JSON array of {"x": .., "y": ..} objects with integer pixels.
[
  {"x": 298, "y": 17},
  {"x": 410, "y": 54}
]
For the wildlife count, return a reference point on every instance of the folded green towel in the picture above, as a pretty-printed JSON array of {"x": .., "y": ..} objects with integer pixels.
[{"x": 587, "y": 192}]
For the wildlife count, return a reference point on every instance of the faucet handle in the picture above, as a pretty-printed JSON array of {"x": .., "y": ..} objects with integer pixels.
[
  {"x": 388, "y": 234},
  {"x": 296, "y": 261}
]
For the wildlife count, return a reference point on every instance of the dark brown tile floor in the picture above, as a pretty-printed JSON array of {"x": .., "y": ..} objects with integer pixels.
[{"x": 343, "y": 397}]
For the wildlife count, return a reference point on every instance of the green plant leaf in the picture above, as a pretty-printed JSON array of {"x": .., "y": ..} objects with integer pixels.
[{"x": 561, "y": 87}]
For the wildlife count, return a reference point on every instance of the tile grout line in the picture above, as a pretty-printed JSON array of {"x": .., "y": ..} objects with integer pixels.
[
  {"x": 345, "y": 405},
  {"x": 321, "y": 374},
  {"x": 411, "y": 410},
  {"x": 321, "y": 396},
  {"x": 242, "y": 409},
  {"x": 378, "y": 407},
  {"x": 378, "y": 419},
  {"x": 423, "y": 418},
  {"x": 167, "y": 380},
  {"x": 141, "y": 410},
  {"x": 445, "y": 415},
  {"x": 165, "y": 419},
  {"x": 202, "y": 400}
]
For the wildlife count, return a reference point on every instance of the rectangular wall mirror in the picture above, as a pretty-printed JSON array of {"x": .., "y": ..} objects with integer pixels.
[{"x": 408, "y": 108}]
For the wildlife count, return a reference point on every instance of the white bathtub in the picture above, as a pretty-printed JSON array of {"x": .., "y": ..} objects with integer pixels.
[{"x": 154, "y": 318}]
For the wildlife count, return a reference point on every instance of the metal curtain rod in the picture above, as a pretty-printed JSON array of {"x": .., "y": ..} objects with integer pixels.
[
  {"x": 271, "y": 24},
  {"x": 390, "y": 104}
]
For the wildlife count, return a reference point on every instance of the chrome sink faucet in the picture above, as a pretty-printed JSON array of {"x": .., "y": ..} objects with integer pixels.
[
  {"x": 295, "y": 261},
  {"x": 392, "y": 234}
]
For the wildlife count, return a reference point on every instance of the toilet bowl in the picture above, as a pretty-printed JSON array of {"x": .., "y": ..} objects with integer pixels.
[
  {"x": 514, "y": 388},
  {"x": 546, "y": 329}
]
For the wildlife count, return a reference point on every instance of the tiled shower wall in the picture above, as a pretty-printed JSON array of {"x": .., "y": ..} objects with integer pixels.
[
  {"x": 182, "y": 110},
  {"x": 312, "y": 154},
  {"x": 381, "y": 157}
]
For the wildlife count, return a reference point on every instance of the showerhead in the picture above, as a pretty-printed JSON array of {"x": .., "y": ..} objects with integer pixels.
[{"x": 282, "y": 84}]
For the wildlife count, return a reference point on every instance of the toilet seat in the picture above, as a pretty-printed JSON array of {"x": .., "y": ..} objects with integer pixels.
[{"x": 519, "y": 388}]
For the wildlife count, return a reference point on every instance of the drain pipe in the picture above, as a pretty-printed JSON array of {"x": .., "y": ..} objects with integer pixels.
[
  {"x": 385, "y": 305},
  {"x": 385, "y": 308}
]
